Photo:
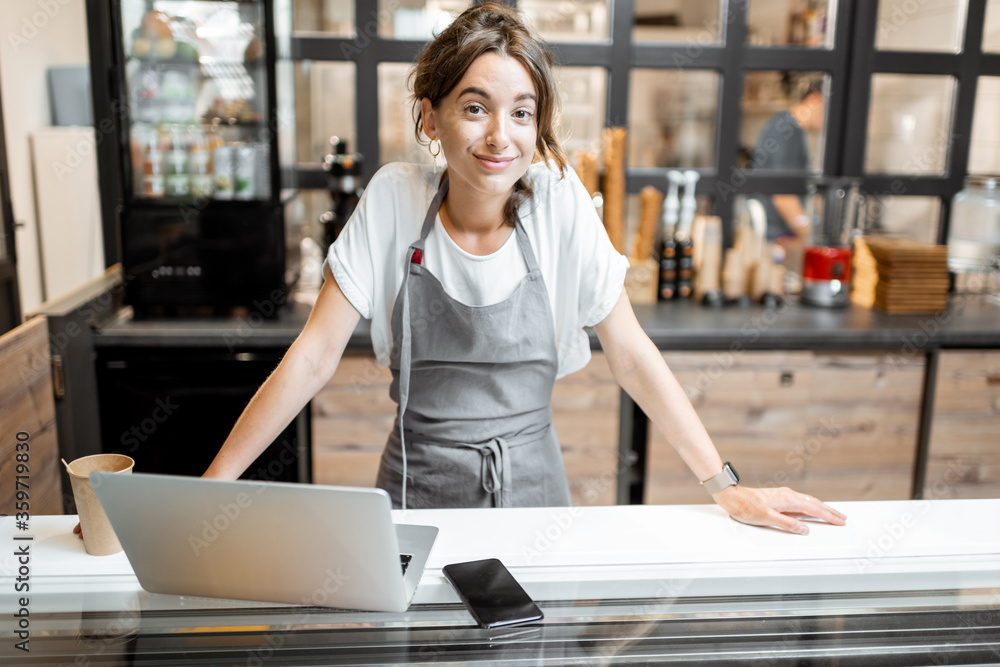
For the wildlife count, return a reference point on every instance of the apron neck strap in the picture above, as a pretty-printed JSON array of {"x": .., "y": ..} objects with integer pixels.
[
  {"x": 432, "y": 211},
  {"x": 522, "y": 241}
]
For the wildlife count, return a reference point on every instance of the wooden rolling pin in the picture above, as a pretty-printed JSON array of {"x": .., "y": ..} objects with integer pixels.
[
  {"x": 614, "y": 185},
  {"x": 709, "y": 266},
  {"x": 650, "y": 206},
  {"x": 585, "y": 163}
]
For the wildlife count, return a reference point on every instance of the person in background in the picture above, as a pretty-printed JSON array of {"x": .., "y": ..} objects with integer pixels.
[
  {"x": 479, "y": 279},
  {"x": 782, "y": 146}
]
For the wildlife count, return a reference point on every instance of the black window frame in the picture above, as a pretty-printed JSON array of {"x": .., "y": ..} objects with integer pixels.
[{"x": 850, "y": 63}]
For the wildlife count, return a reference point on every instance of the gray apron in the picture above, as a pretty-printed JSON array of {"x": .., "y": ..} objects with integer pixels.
[{"x": 473, "y": 386}]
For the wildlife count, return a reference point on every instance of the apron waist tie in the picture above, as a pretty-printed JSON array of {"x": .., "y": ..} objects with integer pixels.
[{"x": 495, "y": 473}]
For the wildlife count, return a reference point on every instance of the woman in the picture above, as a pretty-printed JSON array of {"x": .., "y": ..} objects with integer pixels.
[{"x": 479, "y": 304}]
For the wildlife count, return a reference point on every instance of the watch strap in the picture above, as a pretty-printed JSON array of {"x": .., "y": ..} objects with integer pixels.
[{"x": 728, "y": 477}]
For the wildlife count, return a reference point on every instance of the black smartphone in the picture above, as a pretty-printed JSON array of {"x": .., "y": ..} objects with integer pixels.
[{"x": 491, "y": 593}]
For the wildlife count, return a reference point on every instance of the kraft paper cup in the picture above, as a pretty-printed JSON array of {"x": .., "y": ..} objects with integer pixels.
[{"x": 99, "y": 538}]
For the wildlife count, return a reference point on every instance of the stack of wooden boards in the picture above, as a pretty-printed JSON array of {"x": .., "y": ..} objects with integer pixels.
[{"x": 900, "y": 275}]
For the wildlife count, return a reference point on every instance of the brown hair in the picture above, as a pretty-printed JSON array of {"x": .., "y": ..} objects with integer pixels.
[{"x": 484, "y": 28}]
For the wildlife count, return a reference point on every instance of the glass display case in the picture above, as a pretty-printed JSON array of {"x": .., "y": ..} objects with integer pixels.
[
  {"x": 915, "y": 628},
  {"x": 903, "y": 583},
  {"x": 196, "y": 79},
  {"x": 200, "y": 218}
]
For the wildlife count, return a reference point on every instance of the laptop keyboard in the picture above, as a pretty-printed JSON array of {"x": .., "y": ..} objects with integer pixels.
[{"x": 404, "y": 560}]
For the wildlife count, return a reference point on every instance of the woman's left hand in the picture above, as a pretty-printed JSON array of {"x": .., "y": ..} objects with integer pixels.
[{"x": 775, "y": 508}]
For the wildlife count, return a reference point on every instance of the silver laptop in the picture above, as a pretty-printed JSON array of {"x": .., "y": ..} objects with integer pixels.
[{"x": 301, "y": 544}]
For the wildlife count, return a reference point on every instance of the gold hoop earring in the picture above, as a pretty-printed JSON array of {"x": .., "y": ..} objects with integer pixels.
[{"x": 434, "y": 154}]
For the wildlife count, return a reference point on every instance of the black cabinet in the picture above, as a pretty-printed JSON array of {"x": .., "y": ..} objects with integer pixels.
[{"x": 171, "y": 409}]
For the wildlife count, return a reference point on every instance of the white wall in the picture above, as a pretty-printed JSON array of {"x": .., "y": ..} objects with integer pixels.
[{"x": 34, "y": 34}]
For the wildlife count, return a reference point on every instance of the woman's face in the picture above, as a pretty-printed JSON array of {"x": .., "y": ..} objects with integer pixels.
[{"x": 486, "y": 125}]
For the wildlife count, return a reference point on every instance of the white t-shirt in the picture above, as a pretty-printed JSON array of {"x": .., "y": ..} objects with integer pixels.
[{"x": 583, "y": 272}]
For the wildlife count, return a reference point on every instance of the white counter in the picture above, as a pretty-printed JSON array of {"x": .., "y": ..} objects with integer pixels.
[{"x": 656, "y": 552}]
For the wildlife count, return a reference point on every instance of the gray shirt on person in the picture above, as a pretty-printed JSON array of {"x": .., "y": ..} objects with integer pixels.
[{"x": 781, "y": 146}]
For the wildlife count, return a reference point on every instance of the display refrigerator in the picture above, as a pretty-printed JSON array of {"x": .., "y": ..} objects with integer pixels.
[{"x": 195, "y": 160}]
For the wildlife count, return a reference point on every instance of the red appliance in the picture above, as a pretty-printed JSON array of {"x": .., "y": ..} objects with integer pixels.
[
  {"x": 834, "y": 206},
  {"x": 826, "y": 275}
]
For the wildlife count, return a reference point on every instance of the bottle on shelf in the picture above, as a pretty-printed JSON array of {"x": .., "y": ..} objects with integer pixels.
[
  {"x": 178, "y": 179},
  {"x": 223, "y": 166},
  {"x": 245, "y": 170},
  {"x": 668, "y": 265},
  {"x": 153, "y": 180},
  {"x": 202, "y": 180},
  {"x": 685, "y": 265}
]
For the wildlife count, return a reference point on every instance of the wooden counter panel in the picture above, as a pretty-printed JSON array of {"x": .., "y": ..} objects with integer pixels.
[
  {"x": 585, "y": 412},
  {"x": 841, "y": 426},
  {"x": 351, "y": 419},
  {"x": 964, "y": 453},
  {"x": 353, "y": 415},
  {"x": 27, "y": 403}
]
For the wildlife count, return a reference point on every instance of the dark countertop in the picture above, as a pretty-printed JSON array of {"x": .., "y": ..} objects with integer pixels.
[{"x": 971, "y": 321}]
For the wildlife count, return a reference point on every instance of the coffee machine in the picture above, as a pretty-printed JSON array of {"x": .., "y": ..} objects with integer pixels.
[{"x": 835, "y": 208}]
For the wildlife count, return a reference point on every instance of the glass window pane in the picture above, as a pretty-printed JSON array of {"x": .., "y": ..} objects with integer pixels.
[
  {"x": 397, "y": 143},
  {"x": 672, "y": 118},
  {"x": 417, "y": 19},
  {"x": 784, "y": 116},
  {"x": 984, "y": 154},
  {"x": 909, "y": 124},
  {"x": 681, "y": 21},
  {"x": 907, "y": 217},
  {"x": 324, "y": 107},
  {"x": 991, "y": 29},
  {"x": 568, "y": 20},
  {"x": 583, "y": 99},
  {"x": 790, "y": 22},
  {"x": 927, "y": 25},
  {"x": 332, "y": 17}
]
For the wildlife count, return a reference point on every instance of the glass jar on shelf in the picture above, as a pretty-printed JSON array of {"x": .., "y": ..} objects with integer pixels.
[{"x": 974, "y": 235}]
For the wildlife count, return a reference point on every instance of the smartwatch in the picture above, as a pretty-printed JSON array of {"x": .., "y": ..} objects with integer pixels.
[{"x": 728, "y": 477}]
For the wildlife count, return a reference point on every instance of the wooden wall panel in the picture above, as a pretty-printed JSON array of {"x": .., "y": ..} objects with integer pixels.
[
  {"x": 27, "y": 405},
  {"x": 837, "y": 426},
  {"x": 964, "y": 456},
  {"x": 353, "y": 415}
]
